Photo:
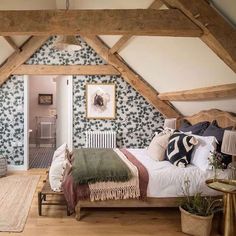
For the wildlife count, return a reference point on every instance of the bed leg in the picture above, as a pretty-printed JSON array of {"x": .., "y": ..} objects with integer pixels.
[
  {"x": 40, "y": 203},
  {"x": 78, "y": 211}
]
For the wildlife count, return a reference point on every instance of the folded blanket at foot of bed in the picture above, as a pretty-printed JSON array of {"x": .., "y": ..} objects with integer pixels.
[
  {"x": 93, "y": 165},
  {"x": 135, "y": 187}
]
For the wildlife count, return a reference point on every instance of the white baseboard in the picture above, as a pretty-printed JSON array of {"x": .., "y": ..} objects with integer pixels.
[{"x": 15, "y": 167}]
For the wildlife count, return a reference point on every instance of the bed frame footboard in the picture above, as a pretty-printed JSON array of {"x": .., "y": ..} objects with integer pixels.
[{"x": 129, "y": 203}]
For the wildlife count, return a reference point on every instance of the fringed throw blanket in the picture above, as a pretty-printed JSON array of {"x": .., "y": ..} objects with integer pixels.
[
  {"x": 92, "y": 165},
  {"x": 117, "y": 190},
  {"x": 135, "y": 187}
]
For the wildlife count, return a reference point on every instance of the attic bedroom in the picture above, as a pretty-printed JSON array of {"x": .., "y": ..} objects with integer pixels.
[{"x": 118, "y": 117}]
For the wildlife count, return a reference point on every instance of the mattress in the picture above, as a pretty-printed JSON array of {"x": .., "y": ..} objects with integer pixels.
[{"x": 167, "y": 180}]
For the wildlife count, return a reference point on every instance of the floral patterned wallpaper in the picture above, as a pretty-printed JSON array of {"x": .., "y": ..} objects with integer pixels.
[
  {"x": 135, "y": 121},
  {"x": 12, "y": 120}
]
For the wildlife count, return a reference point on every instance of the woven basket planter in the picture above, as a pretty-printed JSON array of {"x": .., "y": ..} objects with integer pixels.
[
  {"x": 194, "y": 224},
  {"x": 3, "y": 166}
]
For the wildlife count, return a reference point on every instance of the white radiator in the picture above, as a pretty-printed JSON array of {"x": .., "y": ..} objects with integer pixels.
[
  {"x": 100, "y": 139},
  {"x": 46, "y": 130}
]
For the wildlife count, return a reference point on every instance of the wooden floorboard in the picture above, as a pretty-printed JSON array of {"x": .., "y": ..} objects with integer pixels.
[{"x": 99, "y": 222}]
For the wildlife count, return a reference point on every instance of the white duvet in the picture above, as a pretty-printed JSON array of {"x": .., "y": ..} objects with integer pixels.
[{"x": 167, "y": 180}]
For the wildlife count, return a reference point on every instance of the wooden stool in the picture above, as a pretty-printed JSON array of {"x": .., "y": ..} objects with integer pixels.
[{"x": 46, "y": 191}]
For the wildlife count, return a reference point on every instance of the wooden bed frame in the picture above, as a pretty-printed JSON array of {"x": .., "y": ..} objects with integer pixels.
[{"x": 224, "y": 119}]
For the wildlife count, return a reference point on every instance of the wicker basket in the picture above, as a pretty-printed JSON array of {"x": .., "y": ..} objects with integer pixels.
[
  {"x": 3, "y": 166},
  {"x": 195, "y": 225}
]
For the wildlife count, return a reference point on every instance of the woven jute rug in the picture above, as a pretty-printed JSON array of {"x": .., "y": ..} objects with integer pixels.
[{"x": 16, "y": 194}]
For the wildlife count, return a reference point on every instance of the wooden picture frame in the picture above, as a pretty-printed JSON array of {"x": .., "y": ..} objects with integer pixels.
[
  {"x": 45, "y": 99},
  {"x": 100, "y": 101}
]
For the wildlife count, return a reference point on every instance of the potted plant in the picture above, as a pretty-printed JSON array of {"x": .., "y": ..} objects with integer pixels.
[
  {"x": 197, "y": 212},
  {"x": 216, "y": 163}
]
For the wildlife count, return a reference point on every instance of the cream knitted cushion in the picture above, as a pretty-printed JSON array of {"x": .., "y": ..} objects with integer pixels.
[{"x": 157, "y": 147}]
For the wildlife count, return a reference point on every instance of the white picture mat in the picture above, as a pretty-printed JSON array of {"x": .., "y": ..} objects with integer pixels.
[{"x": 91, "y": 89}]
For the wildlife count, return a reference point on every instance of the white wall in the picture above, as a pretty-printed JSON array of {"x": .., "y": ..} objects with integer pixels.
[
  {"x": 27, "y": 4},
  {"x": 105, "y": 4},
  {"x": 5, "y": 50},
  {"x": 64, "y": 110}
]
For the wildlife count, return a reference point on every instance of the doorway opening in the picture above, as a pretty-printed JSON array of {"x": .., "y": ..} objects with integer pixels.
[{"x": 48, "y": 118}]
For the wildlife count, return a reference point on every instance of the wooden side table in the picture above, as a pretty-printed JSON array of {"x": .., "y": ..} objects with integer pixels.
[{"x": 228, "y": 187}]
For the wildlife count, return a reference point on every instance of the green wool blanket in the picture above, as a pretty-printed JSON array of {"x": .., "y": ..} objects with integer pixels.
[{"x": 93, "y": 165}]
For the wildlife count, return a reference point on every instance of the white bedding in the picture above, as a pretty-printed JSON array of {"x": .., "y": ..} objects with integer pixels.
[{"x": 166, "y": 180}]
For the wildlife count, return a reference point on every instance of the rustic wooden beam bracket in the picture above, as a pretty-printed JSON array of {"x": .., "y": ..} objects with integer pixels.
[
  {"x": 205, "y": 93},
  {"x": 18, "y": 58}
]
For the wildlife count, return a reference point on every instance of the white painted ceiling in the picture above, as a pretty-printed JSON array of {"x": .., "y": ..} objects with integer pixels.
[{"x": 167, "y": 63}]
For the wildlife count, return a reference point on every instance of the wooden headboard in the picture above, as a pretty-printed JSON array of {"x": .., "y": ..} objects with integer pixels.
[{"x": 223, "y": 118}]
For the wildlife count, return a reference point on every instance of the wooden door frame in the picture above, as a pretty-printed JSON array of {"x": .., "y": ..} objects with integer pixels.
[{"x": 25, "y": 166}]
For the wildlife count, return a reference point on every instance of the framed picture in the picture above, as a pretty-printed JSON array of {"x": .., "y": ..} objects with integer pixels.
[
  {"x": 45, "y": 99},
  {"x": 100, "y": 101}
]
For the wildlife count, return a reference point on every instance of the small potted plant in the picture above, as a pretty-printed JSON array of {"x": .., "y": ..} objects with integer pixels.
[
  {"x": 197, "y": 212},
  {"x": 216, "y": 163}
]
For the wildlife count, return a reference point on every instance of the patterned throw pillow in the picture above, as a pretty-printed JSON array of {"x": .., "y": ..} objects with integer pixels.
[{"x": 180, "y": 148}]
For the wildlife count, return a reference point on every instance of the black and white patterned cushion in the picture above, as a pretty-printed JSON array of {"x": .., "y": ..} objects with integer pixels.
[
  {"x": 180, "y": 148},
  {"x": 159, "y": 130}
]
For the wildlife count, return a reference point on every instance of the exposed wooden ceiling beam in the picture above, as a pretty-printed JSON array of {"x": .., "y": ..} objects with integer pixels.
[
  {"x": 148, "y": 92},
  {"x": 18, "y": 58},
  {"x": 219, "y": 35},
  {"x": 66, "y": 70},
  {"x": 11, "y": 43},
  {"x": 124, "y": 39},
  {"x": 120, "y": 43},
  {"x": 206, "y": 93},
  {"x": 106, "y": 22}
]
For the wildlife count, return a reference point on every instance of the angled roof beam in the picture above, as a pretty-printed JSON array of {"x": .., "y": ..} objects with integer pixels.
[
  {"x": 124, "y": 39},
  {"x": 120, "y": 43},
  {"x": 148, "y": 92},
  {"x": 99, "y": 22},
  {"x": 206, "y": 93},
  {"x": 219, "y": 35},
  {"x": 18, "y": 58}
]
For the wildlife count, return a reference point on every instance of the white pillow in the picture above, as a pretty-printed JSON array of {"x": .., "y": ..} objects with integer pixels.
[
  {"x": 202, "y": 151},
  {"x": 157, "y": 147},
  {"x": 56, "y": 173},
  {"x": 60, "y": 151}
]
